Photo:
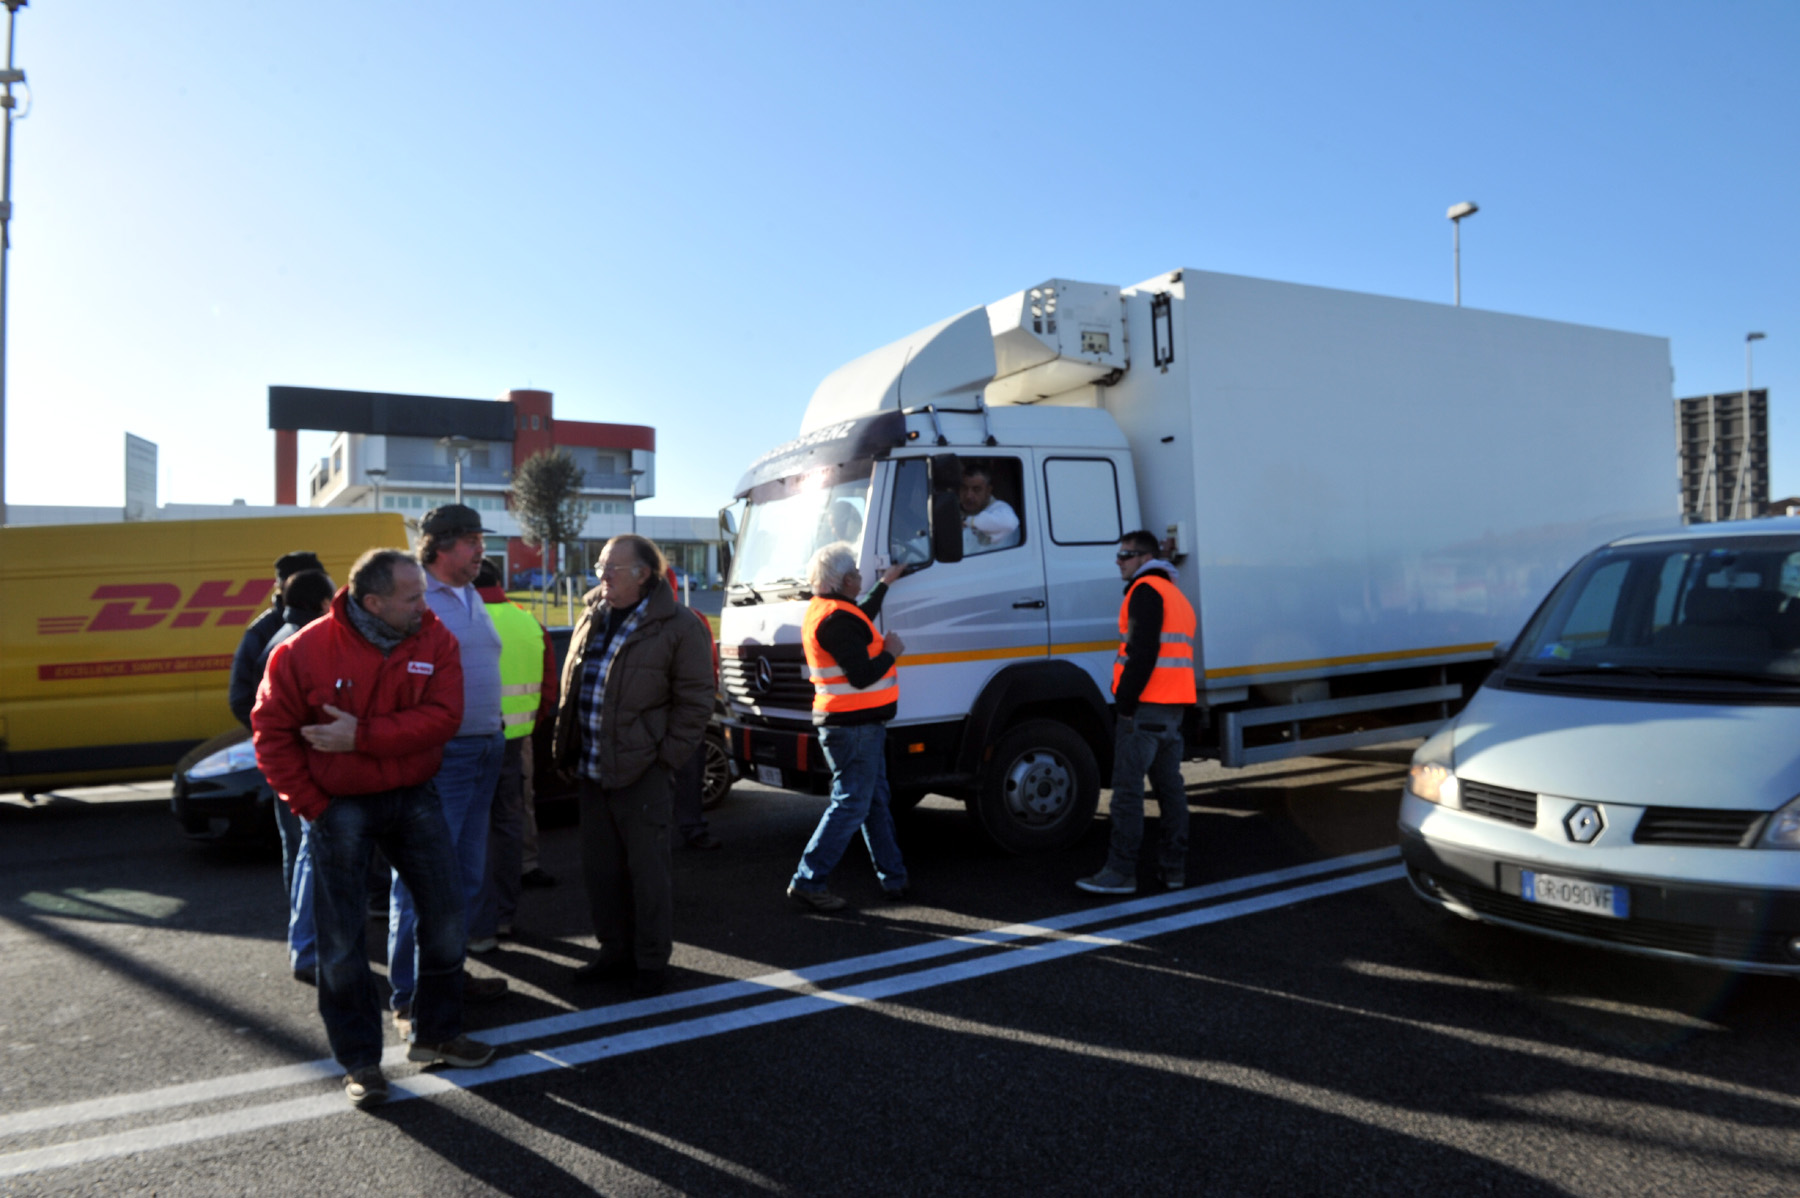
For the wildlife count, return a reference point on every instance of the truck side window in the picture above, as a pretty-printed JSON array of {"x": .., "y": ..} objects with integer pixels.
[
  {"x": 992, "y": 505},
  {"x": 1081, "y": 496},
  {"x": 909, "y": 527}
]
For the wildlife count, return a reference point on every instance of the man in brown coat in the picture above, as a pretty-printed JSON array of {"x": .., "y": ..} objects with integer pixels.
[{"x": 636, "y": 697}]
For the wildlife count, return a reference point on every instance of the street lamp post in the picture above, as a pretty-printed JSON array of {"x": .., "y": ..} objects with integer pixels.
[
  {"x": 1737, "y": 486},
  {"x": 377, "y": 473},
  {"x": 8, "y": 77},
  {"x": 458, "y": 446},
  {"x": 1456, "y": 214},
  {"x": 634, "y": 474}
]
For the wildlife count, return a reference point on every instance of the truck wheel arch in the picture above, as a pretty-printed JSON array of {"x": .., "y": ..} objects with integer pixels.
[{"x": 1049, "y": 690}]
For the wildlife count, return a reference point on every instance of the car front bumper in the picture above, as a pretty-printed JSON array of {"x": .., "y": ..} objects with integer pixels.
[{"x": 1753, "y": 929}]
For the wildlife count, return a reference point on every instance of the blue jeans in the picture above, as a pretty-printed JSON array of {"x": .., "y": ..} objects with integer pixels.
[
  {"x": 499, "y": 897},
  {"x": 465, "y": 786},
  {"x": 297, "y": 876},
  {"x": 408, "y": 826},
  {"x": 1152, "y": 745},
  {"x": 857, "y": 754}
]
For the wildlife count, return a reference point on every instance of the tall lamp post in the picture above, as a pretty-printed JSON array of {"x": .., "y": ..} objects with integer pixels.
[
  {"x": 1456, "y": 214},
  {"x": 1737, "y": 486},
  {"x": 8, "y": 77},
  {"x": 458, "y": 447},
  {"x": 634, "y": 474},
  {"x": 377, "y": 473}
]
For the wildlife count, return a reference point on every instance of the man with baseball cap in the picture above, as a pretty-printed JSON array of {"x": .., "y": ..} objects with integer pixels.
[{"x": 451, "y": 550}]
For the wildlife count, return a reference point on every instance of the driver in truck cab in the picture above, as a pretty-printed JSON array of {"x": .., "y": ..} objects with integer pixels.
[{"x": 988, "y": 523}]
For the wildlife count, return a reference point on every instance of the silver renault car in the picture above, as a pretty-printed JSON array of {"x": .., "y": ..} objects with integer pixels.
[{"x": 1629, "y": 774}]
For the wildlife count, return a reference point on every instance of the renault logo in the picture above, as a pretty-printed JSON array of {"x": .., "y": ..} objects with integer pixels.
[
  {"x": 1583, "y": 824},
  {"x": 765, "y": 677}
]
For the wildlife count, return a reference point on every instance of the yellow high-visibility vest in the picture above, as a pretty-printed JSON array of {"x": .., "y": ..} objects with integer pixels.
[{"x": 521, "y": 667}]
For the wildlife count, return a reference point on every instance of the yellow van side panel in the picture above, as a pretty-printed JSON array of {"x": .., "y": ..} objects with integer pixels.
[{"x": 122, "y": 634}]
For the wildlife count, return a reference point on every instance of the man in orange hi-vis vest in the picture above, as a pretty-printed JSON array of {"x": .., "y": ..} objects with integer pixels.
[
  {"x": 1153, "y": 686},
  {"x": 856, "y": 689}
]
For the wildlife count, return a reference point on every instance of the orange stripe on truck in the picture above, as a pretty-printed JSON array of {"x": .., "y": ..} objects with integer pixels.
[{"x": 1282, "y": 667}]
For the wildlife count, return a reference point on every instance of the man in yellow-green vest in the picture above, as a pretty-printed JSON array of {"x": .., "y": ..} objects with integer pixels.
[{"x": 527, "y": 696}]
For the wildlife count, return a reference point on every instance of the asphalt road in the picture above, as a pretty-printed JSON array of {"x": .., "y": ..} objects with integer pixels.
[{"x": 1292, "y": 1023}]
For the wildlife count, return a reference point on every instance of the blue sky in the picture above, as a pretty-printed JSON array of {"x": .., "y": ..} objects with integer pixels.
[{"x": 685, "y": 215}]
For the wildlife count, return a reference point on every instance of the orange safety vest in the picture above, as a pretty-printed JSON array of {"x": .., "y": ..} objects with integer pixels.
[
  {"x": 832, "y": 692},
  {"x": 1172, "y": 681}
]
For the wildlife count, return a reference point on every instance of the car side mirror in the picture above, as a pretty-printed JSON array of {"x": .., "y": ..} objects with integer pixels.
[
  {"x": 946, "y": 472},
  {"x": 946, "y": 527}
]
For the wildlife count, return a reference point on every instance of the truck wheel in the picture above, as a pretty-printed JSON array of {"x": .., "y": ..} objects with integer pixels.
[
  {"x": 715, "y": 777},
  {"x": 1038, "y": 790}
]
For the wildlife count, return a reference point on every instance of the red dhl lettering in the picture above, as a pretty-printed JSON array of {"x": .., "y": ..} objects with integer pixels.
[{"x": 135, "y": 606}]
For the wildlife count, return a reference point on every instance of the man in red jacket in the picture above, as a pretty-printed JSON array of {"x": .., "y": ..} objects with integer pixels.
[{"x": 350, "y": 723}]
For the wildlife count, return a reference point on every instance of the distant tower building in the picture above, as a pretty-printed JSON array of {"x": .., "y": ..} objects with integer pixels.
[
  {"x": 140, "y": 478},
  {"x": 1724, "y": 455}
]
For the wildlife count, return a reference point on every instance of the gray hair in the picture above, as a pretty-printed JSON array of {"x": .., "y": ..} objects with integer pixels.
[
  {"x": 829, "y": 567},
  {"x": 373, "y": 573}
]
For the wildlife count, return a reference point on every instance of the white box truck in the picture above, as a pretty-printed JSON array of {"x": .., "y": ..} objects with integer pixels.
[{"x": 1366, "y": 494}]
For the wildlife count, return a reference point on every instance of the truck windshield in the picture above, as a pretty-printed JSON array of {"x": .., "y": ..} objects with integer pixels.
[
  {"x": 1704, "y": 614},
  {"x": 786, "y": 521}
]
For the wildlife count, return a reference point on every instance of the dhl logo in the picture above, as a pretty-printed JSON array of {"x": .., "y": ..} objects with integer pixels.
[{"x": 134, "y": 606}]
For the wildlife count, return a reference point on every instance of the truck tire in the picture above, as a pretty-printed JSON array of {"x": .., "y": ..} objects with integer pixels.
[
  {"x": 715, "y": 771},
  {"x": 1038, "y": 790}
]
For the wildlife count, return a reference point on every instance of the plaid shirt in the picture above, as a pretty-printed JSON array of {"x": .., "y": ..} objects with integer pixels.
[{"x": 593, "y": 693}]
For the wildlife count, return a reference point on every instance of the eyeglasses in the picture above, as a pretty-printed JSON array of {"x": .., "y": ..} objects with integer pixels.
[{"x": 1126, "y": 555}]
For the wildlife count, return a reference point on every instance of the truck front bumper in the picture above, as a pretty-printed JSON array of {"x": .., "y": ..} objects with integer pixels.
[{"x": 787, "y": 758}]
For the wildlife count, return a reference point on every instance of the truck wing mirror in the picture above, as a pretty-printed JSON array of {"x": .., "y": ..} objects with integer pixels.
[
  {"x": 946, "y": 526},
  {"x": 946, "y": 472}
]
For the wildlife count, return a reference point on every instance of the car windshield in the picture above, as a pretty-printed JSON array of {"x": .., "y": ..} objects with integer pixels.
[
  {"x": 1698, "y": 614},
  {"x": 788, "y": 520}
]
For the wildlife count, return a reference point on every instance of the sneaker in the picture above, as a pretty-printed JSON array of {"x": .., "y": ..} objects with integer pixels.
[
  {"x": 818, "y": 900},
  {"x": 366, "y": 1087},
  {"x": 483, "y": 944},
  {"x": 1175, "y": 879},
  {"x": 896, "y": 894},
  {"x": 403, "y": 1023},
  {"x": 616, "y": 970},
  {"x": 1108, "y": 881},
  {"x": 483, "y": 989},
  {"x": 536, "y": 878},
  {"x": 460, "y": 1053},
  {"x": 704, "y": 841},
  {"x": 648, "y": 983}
]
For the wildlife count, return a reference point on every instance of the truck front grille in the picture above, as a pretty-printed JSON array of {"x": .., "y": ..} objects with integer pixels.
[{"x": 783, "y": 686}]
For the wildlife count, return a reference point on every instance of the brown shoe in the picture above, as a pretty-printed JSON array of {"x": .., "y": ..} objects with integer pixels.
[{"x": 483, "y": 989}]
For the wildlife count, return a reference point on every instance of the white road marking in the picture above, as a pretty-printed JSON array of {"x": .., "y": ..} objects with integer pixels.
[{"x": 1016, "y": 955}]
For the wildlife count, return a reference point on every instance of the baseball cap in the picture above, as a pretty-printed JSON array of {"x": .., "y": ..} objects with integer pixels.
[{"x": 451, "y": 520}]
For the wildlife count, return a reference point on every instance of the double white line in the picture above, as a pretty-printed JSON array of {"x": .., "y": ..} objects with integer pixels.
[{"x": 1022, "y": 944}]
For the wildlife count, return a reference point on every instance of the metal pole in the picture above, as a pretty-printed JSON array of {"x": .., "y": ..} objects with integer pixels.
[
  {"x": 1737, "y": 489},
  {"x": 7, "y": 102},
  {"x": 634, "y": 505},
  {"x": 1456, "y": 257},
  {"x": 458, "y": 453}
]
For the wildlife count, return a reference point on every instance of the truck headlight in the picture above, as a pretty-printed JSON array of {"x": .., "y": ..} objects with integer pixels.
[
  {"x": 241, "y": 756},
  {"x": 1435, "y": 784},
  {"x": 1783, "y": 831}
]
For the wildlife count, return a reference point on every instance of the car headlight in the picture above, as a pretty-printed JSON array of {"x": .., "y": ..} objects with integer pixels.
[
  {"x": 1434, "y": 783},
  {"x": 1783, "y": 831},
  {"x": 241, "y": 756}
]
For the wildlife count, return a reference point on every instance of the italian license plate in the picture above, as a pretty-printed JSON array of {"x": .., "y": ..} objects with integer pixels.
[
  {"x": 769, "y": 775},
  {"x": 1573, "y": 894}
]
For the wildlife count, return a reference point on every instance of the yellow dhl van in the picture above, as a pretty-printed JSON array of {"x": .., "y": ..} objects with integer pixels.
[{"x": 116, "y": 639}]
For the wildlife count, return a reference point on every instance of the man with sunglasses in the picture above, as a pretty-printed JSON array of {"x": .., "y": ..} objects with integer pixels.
[{"x": 1153, "y": 686}]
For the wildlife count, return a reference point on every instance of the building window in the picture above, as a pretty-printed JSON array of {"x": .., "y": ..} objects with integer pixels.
[{"x": 534, "y": 423}]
